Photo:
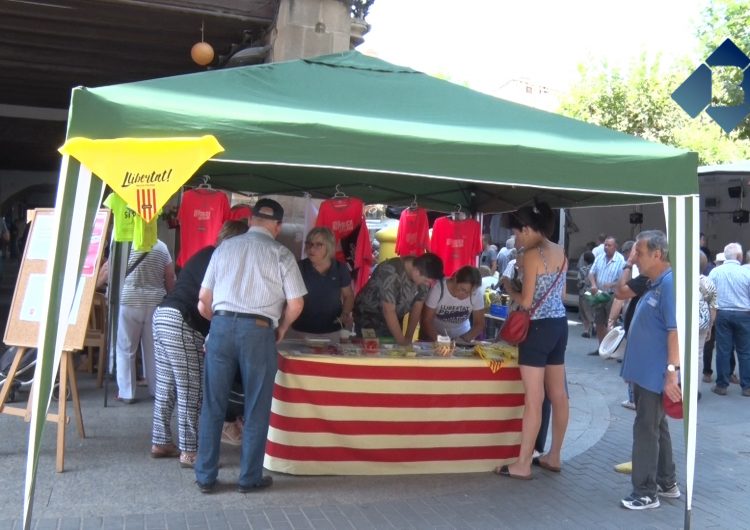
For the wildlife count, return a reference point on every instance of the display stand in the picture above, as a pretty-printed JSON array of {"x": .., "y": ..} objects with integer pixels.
[{"x": 22, "y": 329}]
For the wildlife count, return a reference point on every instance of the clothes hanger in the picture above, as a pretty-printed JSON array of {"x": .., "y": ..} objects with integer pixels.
[
  {"x": 414, "y": 205},
  {"x": 340, "y": 199},
  {"x": 204, "y": 185},
  {"x": 458, "y": 215}
]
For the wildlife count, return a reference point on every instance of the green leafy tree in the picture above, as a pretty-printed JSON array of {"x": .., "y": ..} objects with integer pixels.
[
  {"x": 637, "y": 100},
  {"x": 722, "y": 19}
]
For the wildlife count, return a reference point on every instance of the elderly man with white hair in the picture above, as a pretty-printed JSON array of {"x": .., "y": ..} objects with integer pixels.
[
  {"x": 732, "y": 282},
  {"x": 504, "y": 255}
]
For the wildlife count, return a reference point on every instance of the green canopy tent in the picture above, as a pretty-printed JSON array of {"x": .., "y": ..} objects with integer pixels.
[{"x": 384, "y": 133}]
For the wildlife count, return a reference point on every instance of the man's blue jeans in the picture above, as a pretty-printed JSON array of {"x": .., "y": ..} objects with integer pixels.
[
  {"x": 732, "y": 333},
  {"x": 236, "y": 342}
]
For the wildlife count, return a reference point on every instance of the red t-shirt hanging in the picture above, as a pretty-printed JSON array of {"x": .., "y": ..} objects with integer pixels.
[
  {"x": 201, "y": 214},
  {"x": 241, "y": 212},
  {"x": 413, "y": 238},
  {"x": 345, "y": 217},
  {"x": 456, "y": 242}
]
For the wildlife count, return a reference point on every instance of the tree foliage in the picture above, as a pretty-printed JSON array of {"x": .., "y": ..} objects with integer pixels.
[
  {"x": 722, "y": 19},
  {"x": 637, "y": 100}
]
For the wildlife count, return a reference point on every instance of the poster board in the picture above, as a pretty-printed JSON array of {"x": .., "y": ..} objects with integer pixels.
[{"x": 22, "y": 328}]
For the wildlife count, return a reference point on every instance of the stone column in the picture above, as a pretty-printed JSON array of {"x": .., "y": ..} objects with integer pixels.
[{"x": 307, "y": 28}]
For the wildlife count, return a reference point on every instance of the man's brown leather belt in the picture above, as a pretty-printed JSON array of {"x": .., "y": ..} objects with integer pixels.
[{"x": 260, "y": 320}]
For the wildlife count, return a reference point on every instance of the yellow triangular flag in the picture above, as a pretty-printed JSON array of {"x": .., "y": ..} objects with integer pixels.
[{"x": 145, "y": 172}]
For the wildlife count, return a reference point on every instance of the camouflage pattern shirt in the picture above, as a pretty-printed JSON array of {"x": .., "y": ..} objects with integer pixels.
[{"x": 388, "y": 283}]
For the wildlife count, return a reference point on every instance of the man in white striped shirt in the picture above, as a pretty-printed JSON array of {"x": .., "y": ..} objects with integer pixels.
[
  {"x": 604, "y": 274},
  {"x": 252, "y": 286}
]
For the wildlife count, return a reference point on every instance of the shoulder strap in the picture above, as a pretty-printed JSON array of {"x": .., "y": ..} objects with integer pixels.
[
  {"x": 135, "y": 264},
  {"x": 557, "y": 279}
]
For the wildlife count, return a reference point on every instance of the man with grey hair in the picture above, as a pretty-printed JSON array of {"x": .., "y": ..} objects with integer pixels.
[
  {"x": 732, "y": 319},
  {"x": 251, "y": 293},
  {"x": 504, "y": 254},
  {"x": 651, "y": 365},
  {"x": 604, "y": 275}
]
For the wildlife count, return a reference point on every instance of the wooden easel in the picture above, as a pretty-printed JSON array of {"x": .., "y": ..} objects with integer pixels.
[
  {"x": 67, "y": 376},
  {"x": 23, "y": 331}
]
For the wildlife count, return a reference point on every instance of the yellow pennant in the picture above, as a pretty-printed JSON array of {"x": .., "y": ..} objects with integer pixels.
[{"x": 145, "y": 172}]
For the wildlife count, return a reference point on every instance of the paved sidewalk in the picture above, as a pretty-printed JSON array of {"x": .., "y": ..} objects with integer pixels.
[{"x": 111, "y": 483}]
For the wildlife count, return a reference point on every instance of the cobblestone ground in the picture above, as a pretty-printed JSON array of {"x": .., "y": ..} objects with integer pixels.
[{"x": 111, "y": 483}]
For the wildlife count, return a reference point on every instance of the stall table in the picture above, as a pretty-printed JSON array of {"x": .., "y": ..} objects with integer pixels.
[{"x": 378, "y": 415}]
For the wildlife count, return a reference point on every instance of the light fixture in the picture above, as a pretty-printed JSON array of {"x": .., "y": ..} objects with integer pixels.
[{"x": 202, "y": 52}]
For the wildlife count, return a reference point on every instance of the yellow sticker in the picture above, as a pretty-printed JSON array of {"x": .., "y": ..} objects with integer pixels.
[{"x": 144, "y": 172}]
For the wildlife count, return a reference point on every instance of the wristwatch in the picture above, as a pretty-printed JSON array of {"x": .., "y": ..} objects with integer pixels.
[
  {"x": 627, "y": 267},
  {"x": 672, "y": 367}
]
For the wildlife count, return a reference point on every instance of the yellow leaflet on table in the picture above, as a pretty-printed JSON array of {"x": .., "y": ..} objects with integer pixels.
[
  {"x": 496, "y": 354},
  {"x": 144, "y": 172}
]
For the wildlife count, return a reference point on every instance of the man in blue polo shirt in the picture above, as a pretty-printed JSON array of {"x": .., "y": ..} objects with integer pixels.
[{"x": 651, "y": 364}]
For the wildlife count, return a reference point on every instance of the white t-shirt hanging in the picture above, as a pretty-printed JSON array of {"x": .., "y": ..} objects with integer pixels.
[{"x": 452, "y": 314}]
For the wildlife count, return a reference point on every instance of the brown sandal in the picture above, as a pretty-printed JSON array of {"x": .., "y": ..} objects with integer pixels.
[
  {"x": 164, "y": 451},
  {"x": 544, "y": 465}
]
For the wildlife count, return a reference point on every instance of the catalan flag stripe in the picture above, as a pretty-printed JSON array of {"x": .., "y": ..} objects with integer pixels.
[{"x": 372, "y": 415}]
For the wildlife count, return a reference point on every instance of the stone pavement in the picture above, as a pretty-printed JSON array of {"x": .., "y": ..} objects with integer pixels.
[{"x": 111, "y": 483}]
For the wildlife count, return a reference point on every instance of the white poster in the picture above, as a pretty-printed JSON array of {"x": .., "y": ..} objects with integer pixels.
[
  {"x": 41, "y": 237},
  {"x": 33, "y": 297}
]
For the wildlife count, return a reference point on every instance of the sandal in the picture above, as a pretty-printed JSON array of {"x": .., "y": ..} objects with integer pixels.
[
  {"x": 164, "y": 451},
  {"x": 187, "y": 459},
  {"x": 544, "y": 465},
  {"x": 504, "y": 471}
]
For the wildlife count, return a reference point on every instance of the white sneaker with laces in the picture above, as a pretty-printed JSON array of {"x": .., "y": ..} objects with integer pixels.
[
  {"x": 671, "y": 492},
  {"x": 633, "y": 502}
]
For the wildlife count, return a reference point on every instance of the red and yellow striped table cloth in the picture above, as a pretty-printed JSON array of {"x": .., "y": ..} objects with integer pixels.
[{"x": 334, "y": 415}]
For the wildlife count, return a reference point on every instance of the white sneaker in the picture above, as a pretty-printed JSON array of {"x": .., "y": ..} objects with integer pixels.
[
  {"x": 640, "y": 503},
  {"x": 671, "y": 492},
  {"x": 628, "y": 404}
]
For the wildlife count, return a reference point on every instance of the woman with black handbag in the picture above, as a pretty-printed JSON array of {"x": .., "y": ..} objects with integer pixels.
[{"x": 542, "y": 352}]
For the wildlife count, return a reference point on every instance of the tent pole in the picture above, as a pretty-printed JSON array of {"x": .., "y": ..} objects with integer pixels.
[
  {"x": 49, "y": 330},
  {"x": 682, "y": 216}
]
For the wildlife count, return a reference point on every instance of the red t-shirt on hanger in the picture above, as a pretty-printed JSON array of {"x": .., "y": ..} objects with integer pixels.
[
  {"x": 458, "y": 243},
  {"x": 201, "y": 215},
  {"x": 241, "y": 212},
  {"x": 345, "y": 217},
  {"x": 413, "y": 237}
]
